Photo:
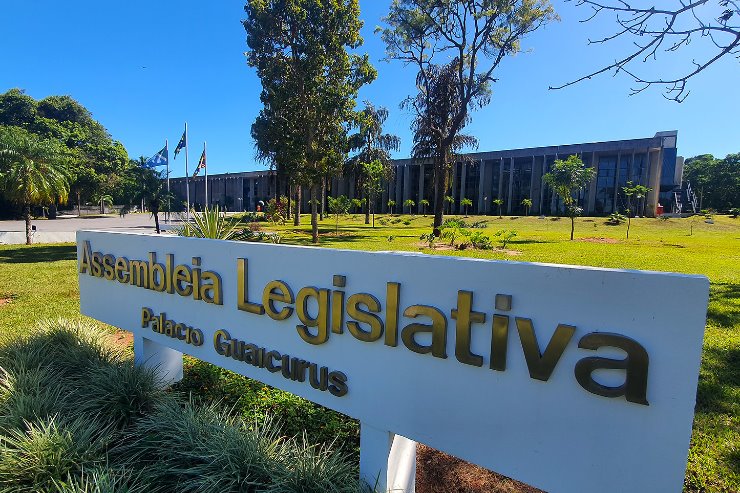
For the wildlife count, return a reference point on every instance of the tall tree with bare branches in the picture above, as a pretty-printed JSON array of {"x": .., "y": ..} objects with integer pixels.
[
  {"x": 477, "y": 35},
  {"x": 666, "y": 30}
]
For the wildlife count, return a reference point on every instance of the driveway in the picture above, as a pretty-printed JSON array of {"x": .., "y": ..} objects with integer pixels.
[{"x": 63, "y": 228}]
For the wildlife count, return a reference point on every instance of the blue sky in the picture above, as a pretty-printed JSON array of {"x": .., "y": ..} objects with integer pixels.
[{"x": 145, "y": 67}]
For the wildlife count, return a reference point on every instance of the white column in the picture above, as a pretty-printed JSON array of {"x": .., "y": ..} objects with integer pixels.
[
  {"x": 166, "y": 361},
  {"x": 387, "y": 461}
]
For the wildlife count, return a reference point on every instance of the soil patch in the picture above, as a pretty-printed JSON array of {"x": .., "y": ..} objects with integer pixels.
[
  {"x": 437, "y": 246},
  {"x": 507, "y": 252},
  {"x": 437, "y": 472},
  {"x": 599, "y": 240},
  {"x": 6, "y": 299},
  {"x": 122, "y": 338}
]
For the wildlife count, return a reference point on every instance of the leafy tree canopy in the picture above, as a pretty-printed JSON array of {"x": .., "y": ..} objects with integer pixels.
[{"x": 96, "y": 161}]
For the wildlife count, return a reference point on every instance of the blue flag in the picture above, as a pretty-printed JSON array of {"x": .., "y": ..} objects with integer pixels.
[
  {"x": 159, "y": 159},
  {"x": 181, "y": 145}
]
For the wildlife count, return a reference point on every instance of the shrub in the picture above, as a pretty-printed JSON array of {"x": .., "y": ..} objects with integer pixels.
[
  {"x": 735, "y": 212},
  {"x": 430, "y": 238},
  {"x": 49, "y": 451},
  {"x": 277, "y": 210},
  {"x": 481, "y": 241},
  {"x": 102, "y": 480},
  {"x": 119, "y": 393},
  {"x": 406, "y": 222},
  {"x": 615, "y": 219},
  {"x": 212, "y": 223},
  {"x": 200, "y": 449},
  {"x": 505, "y": 236}
]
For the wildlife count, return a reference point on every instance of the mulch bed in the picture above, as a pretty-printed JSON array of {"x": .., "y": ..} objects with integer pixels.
[{"x": 437, "y": 472}]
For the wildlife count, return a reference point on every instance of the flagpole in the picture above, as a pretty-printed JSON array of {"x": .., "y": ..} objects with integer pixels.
[
  {"x": 205, "y": 169},
  {"x": 187, "y": 174},
  {"x": 167, "y": 155}
]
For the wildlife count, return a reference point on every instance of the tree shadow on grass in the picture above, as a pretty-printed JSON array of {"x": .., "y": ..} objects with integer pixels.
[
  {"x": 724, "y": 305},
  {"x": 34, "y": 254},
  {"x": 718, "y": 381}
]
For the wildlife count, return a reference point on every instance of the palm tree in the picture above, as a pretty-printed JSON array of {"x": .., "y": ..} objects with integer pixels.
[
  {"x": 527, "y": 203},
  {"x": 153, "y": 191},
  {"x": 499, "y": 203},
  {"x": 466, "y": 203},
  {"x": 32, "y": 171},
  {"x": 372, "y": 144}
]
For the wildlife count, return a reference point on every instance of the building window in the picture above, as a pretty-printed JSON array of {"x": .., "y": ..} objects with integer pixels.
[{"x": 605, "y": 185}]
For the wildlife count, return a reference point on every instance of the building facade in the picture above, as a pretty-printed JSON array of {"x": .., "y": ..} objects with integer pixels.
[{"x": 482, "y": 177}]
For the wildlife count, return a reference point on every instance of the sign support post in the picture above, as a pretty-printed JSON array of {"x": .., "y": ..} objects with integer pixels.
[
  {"x": 166, "y": 361},
  {"x": 387, "y": 461}
]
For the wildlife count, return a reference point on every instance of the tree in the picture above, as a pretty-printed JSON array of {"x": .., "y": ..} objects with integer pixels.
[
  {"x": 96, "y": 163},
  {"x": 309, "y": 84},
  {"x": 33, "y": 171},
  {"x": 449, "y": 200},
  {"x": 391, "y": 205},
  {"x": 339, "y": 206},
  {"x": 466, "y": 203},
  {"x": 527, "y": 203},
  {"x": 410, "y": 204},
  {"x": 153, "y": 191},
  {"x": 651, "y": 30},
  {"x": 476, "y": 35},
  {"x": 424, "y": 204},
  {"x": 566, "y": 178},
  {"x": 637, "y": 191},
  {"x": 358, "y": 204},
  {"x": 499, "y": 203},
  {"x": 374, "y": 172},
  {"x": 716, "y": 180},
  {"x": 372, "y": 144}
]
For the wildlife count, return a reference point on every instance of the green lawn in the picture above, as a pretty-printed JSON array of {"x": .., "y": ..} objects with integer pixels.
[{"x": 40, "y": 282}]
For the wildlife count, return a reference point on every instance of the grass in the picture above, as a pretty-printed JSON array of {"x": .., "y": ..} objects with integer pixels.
[{"x": 40, "y": 282}]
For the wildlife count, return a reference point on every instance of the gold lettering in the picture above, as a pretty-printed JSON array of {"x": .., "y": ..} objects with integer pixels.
[
  {"x": 277, "y": 291},
  {"x": 392, "y": 290},
  {"x": 122, "y": 269},
  {"x": 97, "y": 264},
  {"x": 321, "y": 321},
  {"x": 108, "y": 266},
  {"x": 211, "y": 292},
  {"x": 242, "y": 289},
  {"x": 364, "y": 316},
  {"x": 221, "y": 346},
  {"x": 499, "y": 342},
  {"x": 438, "y": 329},
  {"x": 541, "y": 365},
  {"x": 182, "y": 275},
  {"x": 86, "y": 258},
  {"x": 139, "y": 273},
  {"x": 146, "y": 316},
  {"x": 465, "y": 317},
  {"x": 634, "y": 388}
]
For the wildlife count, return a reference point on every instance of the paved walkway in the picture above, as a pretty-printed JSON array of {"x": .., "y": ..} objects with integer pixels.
[{"x": 63, "y": 228}]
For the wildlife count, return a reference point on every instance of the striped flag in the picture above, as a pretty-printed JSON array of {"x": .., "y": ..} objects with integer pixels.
[
  {"x": 201, "y": 164},
  {"x": 182, "y": 144}
]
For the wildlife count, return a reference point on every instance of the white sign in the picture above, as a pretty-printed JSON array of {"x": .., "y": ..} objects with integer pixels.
[{"x": 566, "y": 378}]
